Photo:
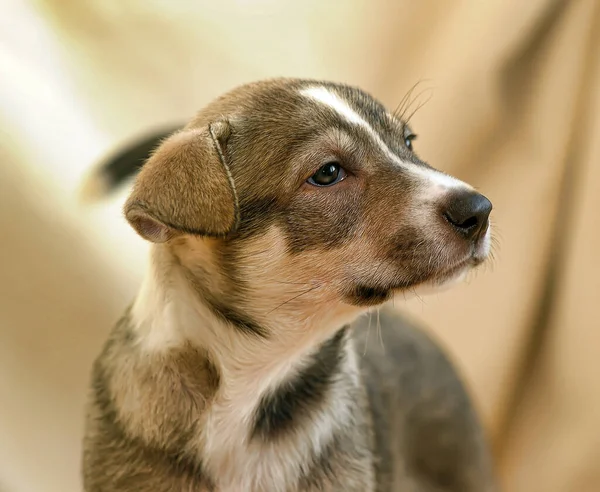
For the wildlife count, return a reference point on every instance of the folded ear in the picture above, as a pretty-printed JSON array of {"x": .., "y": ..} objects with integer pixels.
[{"x": 185, "y": 187}]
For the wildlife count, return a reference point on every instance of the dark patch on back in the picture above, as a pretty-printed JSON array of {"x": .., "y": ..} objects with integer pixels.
[{"x": 295, "y": 399}]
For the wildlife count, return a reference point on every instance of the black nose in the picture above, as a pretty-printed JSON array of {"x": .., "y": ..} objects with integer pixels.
[{"x": 468, "y": 211}]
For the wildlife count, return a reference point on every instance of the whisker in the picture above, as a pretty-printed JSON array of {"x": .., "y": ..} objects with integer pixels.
[
  {"x": 417, "y": 295},
  {"x": 368, "y": 334},
  {"x": 379, "y": 329},
  {"x": 293, "y": 283},
  {"x": 262, "y": 252},
  {"x": 419, "y": 106},
  {"x": 405, "y": 98},
  {"x": 377, "y": 269},
  {"x": 295, "y": 297},
  {"x": 412, "y": 104}
]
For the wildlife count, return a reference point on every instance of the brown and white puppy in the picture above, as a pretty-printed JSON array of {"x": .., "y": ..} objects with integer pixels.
[{"x": 280, "y": 214}]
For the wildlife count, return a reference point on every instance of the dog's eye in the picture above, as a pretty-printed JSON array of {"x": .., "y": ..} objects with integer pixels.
[
  {"x": 327, "y": 175},
  {"x": 408, "y": 140}
]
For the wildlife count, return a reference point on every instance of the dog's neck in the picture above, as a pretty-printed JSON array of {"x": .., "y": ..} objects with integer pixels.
[{"x": 168, "y": 314}]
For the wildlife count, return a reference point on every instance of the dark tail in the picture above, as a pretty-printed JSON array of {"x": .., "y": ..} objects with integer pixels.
[{"x": 122, "y": 165}]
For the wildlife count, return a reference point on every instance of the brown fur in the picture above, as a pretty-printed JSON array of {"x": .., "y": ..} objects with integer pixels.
[
  {"x": 235, "y": 368},
  {"x": 197, "y": 194}
]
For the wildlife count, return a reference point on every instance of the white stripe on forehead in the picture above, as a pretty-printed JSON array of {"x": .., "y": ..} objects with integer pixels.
[
  {"x": 342, "y": 108},
  {"x": 325, "y": 96}
]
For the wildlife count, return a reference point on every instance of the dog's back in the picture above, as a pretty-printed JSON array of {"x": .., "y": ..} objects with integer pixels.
[{"x": 416, "y": 393}]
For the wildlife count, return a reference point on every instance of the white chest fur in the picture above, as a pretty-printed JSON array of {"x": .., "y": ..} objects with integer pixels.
[{"x": 248, "y": 370}]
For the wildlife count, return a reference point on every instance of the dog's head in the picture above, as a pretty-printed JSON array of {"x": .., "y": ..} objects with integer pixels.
[{"x": 295, "y": 194}]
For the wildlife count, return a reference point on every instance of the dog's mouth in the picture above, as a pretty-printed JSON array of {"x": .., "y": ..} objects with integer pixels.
[
  {"x": 457, "y": 270},
  {"x": 445, "y": 276},
  {"x": 452, "y": 274},
  {"x": 440, "y": 277},
  {"x": 371, "y": 294}
]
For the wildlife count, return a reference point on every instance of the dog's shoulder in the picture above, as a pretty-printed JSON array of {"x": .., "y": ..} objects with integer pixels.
[
  {"x": 140, "y": 414},
  {"x": 417, "y": 393}
]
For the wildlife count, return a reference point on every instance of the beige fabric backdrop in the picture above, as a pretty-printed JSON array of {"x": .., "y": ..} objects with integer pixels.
[{"x": 513, "y": 92}]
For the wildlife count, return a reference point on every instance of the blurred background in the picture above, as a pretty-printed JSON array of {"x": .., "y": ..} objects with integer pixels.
[{"x": 512, "y": 93}]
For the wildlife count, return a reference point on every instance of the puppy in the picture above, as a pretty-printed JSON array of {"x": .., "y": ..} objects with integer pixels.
[{"x": 280, "y": 214}]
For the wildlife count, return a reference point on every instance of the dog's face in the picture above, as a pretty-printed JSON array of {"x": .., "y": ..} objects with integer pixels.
[{"x": 306, "y": 193}]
